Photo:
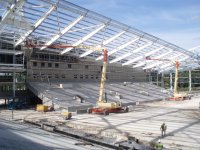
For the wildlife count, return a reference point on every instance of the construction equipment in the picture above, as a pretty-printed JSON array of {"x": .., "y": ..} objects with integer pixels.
[
  {"x": 176, "y": 95},
  {"x": 66, "y": 115},
  {"x": 41, "y": 108},
  {"x": 104, "y": 107}
]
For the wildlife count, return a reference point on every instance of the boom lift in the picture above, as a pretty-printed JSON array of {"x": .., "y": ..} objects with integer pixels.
[
  {"x": 176, "y": 95},
  {"x": 102, "y": 106}
]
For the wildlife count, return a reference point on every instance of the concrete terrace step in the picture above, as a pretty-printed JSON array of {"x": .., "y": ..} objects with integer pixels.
[{"x": 63, "y": 97}]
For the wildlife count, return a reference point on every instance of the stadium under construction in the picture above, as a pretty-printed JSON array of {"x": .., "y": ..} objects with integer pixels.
[{"x": 92, "y": 82}]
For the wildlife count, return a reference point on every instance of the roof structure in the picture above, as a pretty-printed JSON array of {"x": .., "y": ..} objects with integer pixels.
[{"x": 61, "y": 22}]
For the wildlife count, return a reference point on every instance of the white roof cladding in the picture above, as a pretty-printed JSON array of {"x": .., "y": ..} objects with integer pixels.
[{"x": 53, "y": 22}]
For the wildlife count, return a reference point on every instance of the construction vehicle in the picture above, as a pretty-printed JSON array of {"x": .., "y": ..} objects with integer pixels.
[
  {"x": 176, "y": 95},
  {"x": 66, "y": 115},
  {"x": 41, "y": 108},
  {"x": 102, "y": 106}
]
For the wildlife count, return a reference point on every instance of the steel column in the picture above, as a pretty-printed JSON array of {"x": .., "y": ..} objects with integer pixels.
[
  {"x": 162, "y": 80},
  {"x": 171, "y": 81},
  {"x": 190, "y": 81}
]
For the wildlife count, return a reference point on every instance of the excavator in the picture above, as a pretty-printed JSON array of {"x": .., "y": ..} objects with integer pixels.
[
  {"x": 102, "y": 105},
  {"x": 176, "y": 94}
]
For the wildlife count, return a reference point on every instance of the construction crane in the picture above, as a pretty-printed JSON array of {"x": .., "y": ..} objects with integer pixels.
[
  {"x": 176, "y": 95},
  {"x": 102, "y": 106}
]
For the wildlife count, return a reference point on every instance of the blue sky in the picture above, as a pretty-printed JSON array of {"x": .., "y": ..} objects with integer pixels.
[{"x": 176, "y": 21}]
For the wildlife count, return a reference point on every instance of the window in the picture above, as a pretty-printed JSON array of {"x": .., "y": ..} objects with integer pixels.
[
  {"x": 46, "y": 57},
  {"x": 49, "y": 64},
  {"x": 81, "y": 76},
  {"x": 56, "y": 65},
  {"x": 57, "y": 58},
  {"x": 75, "y": 76},
  {"x": 41, "y": 56},
  {"x": 86, "y": 76},
  {"x": 69, "y": 65},
  {"x": 49, "y": 76},
  {"x": 34, "y": 75},
  {"x": 35, "y": 64},
  {"x": 86, "y": 66},
  {"x": 42, "y": 64},
  {"x": 52, "y": 57},
  {"x": 42, "y": 75},
  {"x": 63, "y": 75},
  {"x": 63, "y": 58},
  {"x": 133, "y": 77},
  {"x": 56, "y": 76},
  {"x": 92, "y": 77},
  {"x": 97, "y": 77}
]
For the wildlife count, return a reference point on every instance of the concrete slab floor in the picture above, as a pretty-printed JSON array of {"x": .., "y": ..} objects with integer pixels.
[
  {"x": 26, "y": 137},
  {"x": 181, "y": 117}
]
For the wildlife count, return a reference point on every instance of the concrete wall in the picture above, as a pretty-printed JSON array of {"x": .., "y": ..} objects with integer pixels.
[{"x": 68, "y": 68}]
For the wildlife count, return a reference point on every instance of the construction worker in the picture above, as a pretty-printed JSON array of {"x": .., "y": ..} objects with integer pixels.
[
  {"x": 163, "y": 129},
  {"x": 159, "y": 145}
]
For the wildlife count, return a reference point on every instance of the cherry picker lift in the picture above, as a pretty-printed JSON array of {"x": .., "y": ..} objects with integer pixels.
[
  {"x": 176, "y": 94},
  {"x": 103, "y": 106}
]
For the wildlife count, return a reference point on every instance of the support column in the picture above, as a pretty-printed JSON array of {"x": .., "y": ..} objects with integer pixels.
[
  {"x": 14, "y": 85},
  {"x": 157, "y": 79},
  {"x": 162, "y": 80},
  {"x": 190, "y": 81},
  {"x": 14, "y": 74},
  {"x": 171, "y": 81},
  {"x": 14, "y": 80}
]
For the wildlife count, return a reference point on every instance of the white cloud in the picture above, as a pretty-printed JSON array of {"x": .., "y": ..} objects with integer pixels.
[{"x": 195, "y": 18}]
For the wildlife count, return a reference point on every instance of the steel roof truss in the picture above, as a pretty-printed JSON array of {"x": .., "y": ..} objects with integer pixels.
[
  {"x": 157, "y": 63},
  {"x": 62, "y": 32},
  {"x": 119, "y": 48},
  {"x": 173, "y": 57},
  {"x": 129, "y": 54},
  {"x": 83, "y": 39},
  {"x": 9, "y": 12},
  {"x": 140, "y": 48},
  {"x": 104, "y": 43},
  {"x": 141, "y": 57},
  {"x": 120, "y": 58},
  {"x": 143, "y": 63},
  {"x": 35, "y": 25}
]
